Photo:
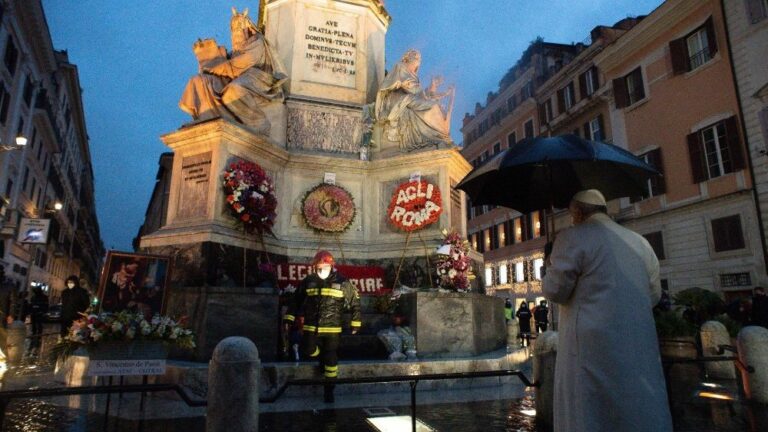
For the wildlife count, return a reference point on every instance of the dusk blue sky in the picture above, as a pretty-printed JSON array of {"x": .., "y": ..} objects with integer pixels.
[{"x": 134, "y": 58}]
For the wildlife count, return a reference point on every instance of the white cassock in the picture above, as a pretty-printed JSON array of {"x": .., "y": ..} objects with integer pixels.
[{"x": 608, "y": 375}]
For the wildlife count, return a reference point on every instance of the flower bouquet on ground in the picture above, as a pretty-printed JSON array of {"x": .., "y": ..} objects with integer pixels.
[
  {"x": 122, "y": 328},
  {"x": 453, "y": 263}
]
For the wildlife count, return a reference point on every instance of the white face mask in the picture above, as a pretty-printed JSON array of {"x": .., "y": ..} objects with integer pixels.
[
  {"x": 324, "y": 271},
  {"x": 70, "y": 285}
]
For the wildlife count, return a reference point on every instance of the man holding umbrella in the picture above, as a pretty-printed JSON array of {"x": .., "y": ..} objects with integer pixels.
[{"x": 608, "y": 375}]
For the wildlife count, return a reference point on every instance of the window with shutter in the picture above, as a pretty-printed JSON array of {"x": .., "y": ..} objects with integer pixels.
[
  {"x": 620, "y": 94},
  {"x": 716, "y": 150},
  {"x": 695, "y": 49},
  {"x": 529, "y": 129},
  {"x": 655, "y": 186},
  {"x": 561, "y": 100},
  {"x": 518, "y": 228},
  {"x": 757, "y": 10},
  {"x": 595, "y": 127},
  {"x": 593, "y": 81},
  {"x": 696, "y": 156},
  {"x": 548, "y": 113},
  {"x": 635, "y": 87},
  {"x": 679, "y": 54},
  {"x": 764, "y": 123},
  {"x": 570, "y": 98},
  {"x": 583, "y": 85},
  {"x": 656, "y": 240},
  {"x": 587, "y": 131},
  {"x": 734, "y": 144},
  {"x": 727, "y": 233},
  {"x": 511, "y": 139}
]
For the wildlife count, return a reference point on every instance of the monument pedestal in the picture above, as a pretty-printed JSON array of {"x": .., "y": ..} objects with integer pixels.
[
  {"x": 448, "y": 324},
  {"x": 217, "y": 312}
]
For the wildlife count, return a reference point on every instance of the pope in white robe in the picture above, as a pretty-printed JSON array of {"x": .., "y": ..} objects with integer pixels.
[{"x": 605, "y": 278}]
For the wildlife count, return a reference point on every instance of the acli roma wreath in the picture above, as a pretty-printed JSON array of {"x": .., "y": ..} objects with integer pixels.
[
  {"x": 415, "y": 205},
  {"x": 250, "y": 196},
  {"x": 328, "y": 208}
]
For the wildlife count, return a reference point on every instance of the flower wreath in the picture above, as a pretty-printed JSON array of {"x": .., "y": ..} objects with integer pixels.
[
  {"x": 415, "y": 205},
  {"x": 328, "y": 208},
  {"x": 250, "y": 196}
]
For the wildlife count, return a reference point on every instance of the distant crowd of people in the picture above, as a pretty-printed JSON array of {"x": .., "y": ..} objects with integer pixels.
[{"x": 524, "y": 314}]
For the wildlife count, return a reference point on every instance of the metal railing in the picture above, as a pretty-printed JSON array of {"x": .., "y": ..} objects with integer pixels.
[
  {"x": 413, "y": 380},
  {"x": 668, "y": 362}
]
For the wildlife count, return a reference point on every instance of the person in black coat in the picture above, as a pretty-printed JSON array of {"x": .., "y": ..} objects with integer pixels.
[
  {"x": 36, "y": 310},
  {"x": 760, "y": 308},
  {"x": 524, "y": 318},
  {"x": 541, "y": 316},
  {"x": 74, "y": 301}
]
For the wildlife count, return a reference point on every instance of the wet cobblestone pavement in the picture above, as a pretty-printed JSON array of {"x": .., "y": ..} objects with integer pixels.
[{"x": 691, "y": 413}]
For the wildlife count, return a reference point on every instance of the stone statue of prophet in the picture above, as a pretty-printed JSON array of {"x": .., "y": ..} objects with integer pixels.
[{"x": 238, "y": 85}]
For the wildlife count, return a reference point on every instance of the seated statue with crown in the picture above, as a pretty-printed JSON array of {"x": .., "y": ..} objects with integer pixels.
[{"x": 235, "y": 85}]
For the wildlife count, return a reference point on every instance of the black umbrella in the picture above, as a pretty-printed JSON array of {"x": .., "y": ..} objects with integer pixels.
[{"x": 546, "y": 172}]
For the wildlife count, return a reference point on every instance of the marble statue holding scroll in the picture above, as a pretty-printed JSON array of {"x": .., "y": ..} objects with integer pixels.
[
  {"x": 235, "y": 86},
  {"x": 411, "y": 115}
]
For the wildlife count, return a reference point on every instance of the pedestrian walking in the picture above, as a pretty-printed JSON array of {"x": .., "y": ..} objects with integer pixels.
[
  {"x": 508, "y": 310},
  {"x": 37, "y": 308},
  {"x": 759, "y": 307},
  {"x": 524, "y": 319},
  {"x": 541, "y": 316},
  {"x": 321, "y": 299},
  {"x": 605, "y": 279},
  {"x": 74, "y": 301}
]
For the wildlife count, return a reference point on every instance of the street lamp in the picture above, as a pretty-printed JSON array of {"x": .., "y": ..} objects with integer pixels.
[
  {"x": 58, "y": 205},
  {"x": 21, "y": 140}
]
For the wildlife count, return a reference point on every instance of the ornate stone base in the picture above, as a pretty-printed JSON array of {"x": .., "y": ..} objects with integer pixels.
[{"x": 455, "y": 324}]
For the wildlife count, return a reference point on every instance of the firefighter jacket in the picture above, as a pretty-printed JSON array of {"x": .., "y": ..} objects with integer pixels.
[{"x": 322, "y": 302}]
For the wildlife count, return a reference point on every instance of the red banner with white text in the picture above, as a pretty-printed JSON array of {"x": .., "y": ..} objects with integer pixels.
[{"x": 369, "y": 280}]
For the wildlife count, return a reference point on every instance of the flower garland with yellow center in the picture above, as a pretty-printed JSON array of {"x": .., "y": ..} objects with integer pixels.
[{"x": 328, "y": 208}]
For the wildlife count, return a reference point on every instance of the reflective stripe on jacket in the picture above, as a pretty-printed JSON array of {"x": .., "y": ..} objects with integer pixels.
[{"x": 323, "y": 301}]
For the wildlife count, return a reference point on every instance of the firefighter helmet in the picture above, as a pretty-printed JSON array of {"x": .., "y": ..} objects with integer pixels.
[{"x": 322, "y": 257}]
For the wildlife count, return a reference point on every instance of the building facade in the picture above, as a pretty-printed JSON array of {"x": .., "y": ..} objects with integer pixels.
[
  {"x": 747, "y": 30},
  {"x": 553, "y": 89},
  {"x": 674, "y": 103},
  {"x": 667, "y": 87},
  {"x": 50, "y": 177},
  {"x": 512, "y": 243}
]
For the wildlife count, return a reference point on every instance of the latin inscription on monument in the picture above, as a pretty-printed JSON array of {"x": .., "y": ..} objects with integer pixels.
[
  {"x": 330, "y": 48},
  {"x": 195, "y": 175}
]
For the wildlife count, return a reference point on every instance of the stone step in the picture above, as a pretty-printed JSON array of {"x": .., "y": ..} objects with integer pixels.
[{"x": 194, "y": 376}]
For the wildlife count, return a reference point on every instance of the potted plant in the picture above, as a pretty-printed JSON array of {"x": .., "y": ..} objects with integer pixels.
[{"x": 676, "y": 334}]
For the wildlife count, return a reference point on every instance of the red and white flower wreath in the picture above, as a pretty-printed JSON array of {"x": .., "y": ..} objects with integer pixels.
[{"x": 415, "y": 205}]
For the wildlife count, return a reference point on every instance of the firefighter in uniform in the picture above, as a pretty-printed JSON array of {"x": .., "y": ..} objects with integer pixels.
[{"x": 321, "y": 299}]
